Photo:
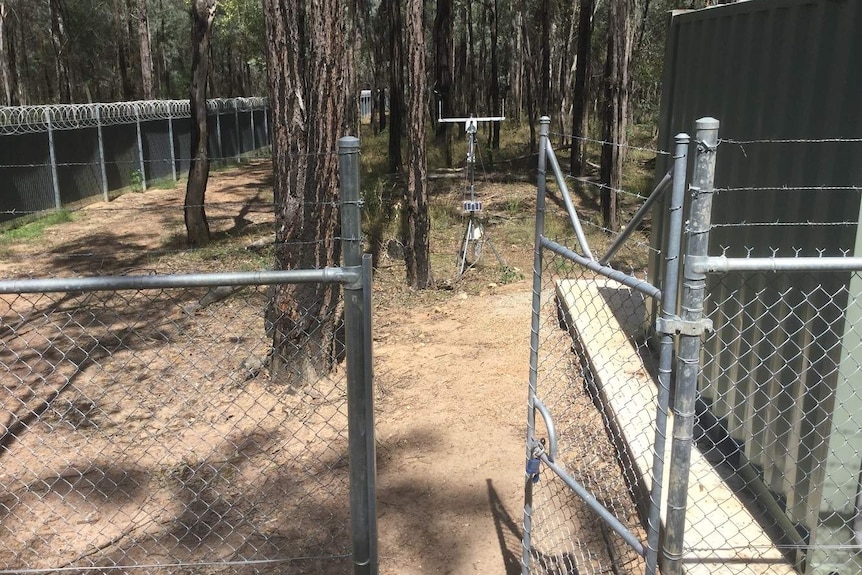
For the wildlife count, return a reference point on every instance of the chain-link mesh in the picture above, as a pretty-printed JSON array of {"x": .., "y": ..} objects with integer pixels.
[
  {"x": 781, "y": 408},
  {"x": 594, "y": 377},
  {"x": 147, "y": 429}
]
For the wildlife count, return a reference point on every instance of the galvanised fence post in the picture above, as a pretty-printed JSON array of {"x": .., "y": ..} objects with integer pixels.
[
  {"x": 58, "y": 203},
  {"x": 238, "y": 133},
  {"x": 171, "y": 144},
  {"x": 360, "y": 392},
  {"x": 140, "y": 148},
  {"x": 691, "y": 326},
  {"x": 666, "y": 331},
  {"x": 535, "y": 320},
  {"x": 102, "y": 174}
]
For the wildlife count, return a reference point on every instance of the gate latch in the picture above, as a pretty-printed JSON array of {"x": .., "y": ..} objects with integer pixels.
[{"x": 535, "y": 459}]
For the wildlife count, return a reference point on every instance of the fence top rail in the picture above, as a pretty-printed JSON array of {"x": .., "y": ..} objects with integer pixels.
[
  {"x": 723, "y": 264},
  {"x": 168, "y": 281},
  {"x": 32, "y": 119}
]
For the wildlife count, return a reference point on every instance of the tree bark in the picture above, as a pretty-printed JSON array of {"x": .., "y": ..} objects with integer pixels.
[
  {"x": 128, "y": 90},
  {"x": 5, "y": 71},
  {"x": 616, "y": 109},
  {"x": 396, "y": 85},
  {"x": 146, "y": 51},
  {"x": 197, "y": 228},
  {"x": 417, "y": 247},
  {"x": 580, "y": 96},
  {"x": 59, "y": 42},
  {"x": 305, "y": 76},
  {"x": 544, "y": 18},
  {"x": 443, "y": 54},
  {"x": 494, "y": 93}
]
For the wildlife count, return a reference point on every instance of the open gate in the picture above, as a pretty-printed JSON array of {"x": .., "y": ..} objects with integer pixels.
[{"x": 598, "y": 409}]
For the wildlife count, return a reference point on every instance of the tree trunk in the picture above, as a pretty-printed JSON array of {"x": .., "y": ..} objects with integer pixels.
[
  {"x": 128, "y": 90},
  {"x": 5, "y": 72},
  {"x": 494, "y": 94},
  {"x": 544, "y": 18},
  {"x": 516, "y": 100},
  {"x": 417, "y": 246},
  {"x": 443, "y": 53},
  {"x": 304, "y": 61},
  {"x": 58, "y": 41},
  {"x": 396, "y": 85},
  {"x": 197, "y": 228},
  {"x": 580, "y": 95},
  {"x": 616, "y": 109},
  {"x": 146, "y": 52}
]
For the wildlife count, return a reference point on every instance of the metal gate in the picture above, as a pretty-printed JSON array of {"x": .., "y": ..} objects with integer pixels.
[
  {"x": 595, "y": 474},
  {"x": 141, "y": 429}
]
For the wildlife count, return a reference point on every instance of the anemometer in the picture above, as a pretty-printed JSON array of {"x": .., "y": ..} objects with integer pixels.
[{"x": 474, "y": 236}]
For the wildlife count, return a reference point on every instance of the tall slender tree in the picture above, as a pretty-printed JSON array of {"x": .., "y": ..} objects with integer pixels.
[
  {"x": 396, "y": 83},
  {"x": 443, "y": 62},
  {"x": 616, "y": 108},
  {"x": 197, "y": 229},
  {"x": 146, "y": 52},
  {"x": 580, "y": 95},
  {"x": 417, "y": 222}
]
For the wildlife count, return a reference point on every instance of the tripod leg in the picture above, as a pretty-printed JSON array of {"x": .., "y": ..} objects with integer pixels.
[{"x": 462, "y": 254}]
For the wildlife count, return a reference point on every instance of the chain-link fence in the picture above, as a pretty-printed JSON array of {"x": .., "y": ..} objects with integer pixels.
[
  {"x": 157, "y": 424},
  {"x": 718, "y": 415},
  {"x": 56, "y": 156}
]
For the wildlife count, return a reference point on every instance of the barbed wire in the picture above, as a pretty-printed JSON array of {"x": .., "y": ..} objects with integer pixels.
[
  {"x": 639, "y": 243},
  {"x": 605, "y": 142},
  {"x": 776, "y": 223},
  {"x": 775, "y": 252},
  {"x": 602, "y": 186},
  {"x": 34, "y": 119}
]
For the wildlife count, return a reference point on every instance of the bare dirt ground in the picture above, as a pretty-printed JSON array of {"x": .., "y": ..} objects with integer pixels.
[{"x": 451, "y": 365}]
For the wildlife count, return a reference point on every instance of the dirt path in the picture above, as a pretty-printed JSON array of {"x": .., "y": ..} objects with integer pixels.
[{"x": 450, "y": 431}]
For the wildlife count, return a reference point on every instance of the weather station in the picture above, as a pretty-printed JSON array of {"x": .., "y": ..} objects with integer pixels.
[{"x": 475, "y": 237}]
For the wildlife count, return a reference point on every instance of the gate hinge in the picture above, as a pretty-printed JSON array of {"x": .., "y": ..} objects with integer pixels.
[{"x": 675, "y": 324}]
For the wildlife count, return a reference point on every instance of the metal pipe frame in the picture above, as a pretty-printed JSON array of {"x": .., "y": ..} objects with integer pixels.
[
  {"x": 544, "y": 128},
  {"x": 567, "y": 199},
  {"x": 666, "y": 343},
  {"x": 641, "y": 286},
  {"x": 116, "y": 283},
  {"x": 358, "y": 350},
  {"x": 597, "y": 507},
  {"x": 722, "y": 264},
  {"x": 688, "y": 356}
]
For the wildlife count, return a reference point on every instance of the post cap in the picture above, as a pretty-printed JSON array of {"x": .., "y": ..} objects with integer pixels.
[{"x": 707, "y": 123}]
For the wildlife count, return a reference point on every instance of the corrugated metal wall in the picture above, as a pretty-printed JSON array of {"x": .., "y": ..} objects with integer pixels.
[{"x": 770, "y": 70}]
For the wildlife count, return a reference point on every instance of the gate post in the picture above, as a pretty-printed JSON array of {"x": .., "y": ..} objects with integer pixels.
[
  {"x": 669, "y": 292},
  {"x": 691, "y": 327},
  {"x": 358, "y": 351},
  {"x": 544, "y": 126}
]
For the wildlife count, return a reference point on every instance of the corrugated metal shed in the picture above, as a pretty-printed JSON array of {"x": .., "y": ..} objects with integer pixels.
[{"x": 783, "y": 389}]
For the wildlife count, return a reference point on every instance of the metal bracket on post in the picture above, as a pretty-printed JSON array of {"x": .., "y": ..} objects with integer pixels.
[{"x": 676, "y": 325}]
